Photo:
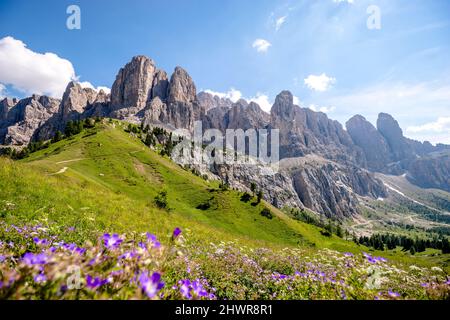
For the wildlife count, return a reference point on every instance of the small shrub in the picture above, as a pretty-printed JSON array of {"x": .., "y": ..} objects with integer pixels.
[
  {"x": 161, "y": 200},
  {"x": 266, "y": 213}
]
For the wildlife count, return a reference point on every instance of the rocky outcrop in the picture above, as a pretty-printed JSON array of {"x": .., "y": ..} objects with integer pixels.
[
  {"x": 391, "y": 131},
  {"x": 277, "y": 188},
  {"x": 373, "y": 144},
  {"x": 330, "y": 188},
  {"x": 75, "y": 100},
  {"x": 133, "y": 85},
  {"x": 431, "y": 172},
  {"x": 27, "y": 116},
  {"x": 182, "y": 88},
  {"x": 208, "y": 101},
  {"x": 303, "y": 131}
]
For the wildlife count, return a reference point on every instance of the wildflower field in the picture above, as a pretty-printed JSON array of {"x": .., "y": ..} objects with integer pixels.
[{"x": 36, "y": 264}]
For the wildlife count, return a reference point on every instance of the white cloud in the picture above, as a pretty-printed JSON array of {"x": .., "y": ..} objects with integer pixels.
[
  {"x": 296, "y": 101},
  {"x": 441, "y": 125},
  {"x": 232, "y": 94},
  {"x": 2, "y": 91},
  {"x": 33, "y": 72},
  {"x": 279, "y": 22},
  {"x": 319, "y": 83},
  {"x": 436, "y": 131},
  {"x": 263, "y": 101},
  {"x": 316, "y": 108},
  {"x": 261, "y": 45},
  {"x": 87, "y": 84}
]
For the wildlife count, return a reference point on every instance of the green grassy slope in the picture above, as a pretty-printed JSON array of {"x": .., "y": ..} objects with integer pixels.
[{"x": 109, "y": 183}]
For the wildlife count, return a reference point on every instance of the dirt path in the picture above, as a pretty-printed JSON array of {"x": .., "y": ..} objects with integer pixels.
[{"x": 60, "y": 171}]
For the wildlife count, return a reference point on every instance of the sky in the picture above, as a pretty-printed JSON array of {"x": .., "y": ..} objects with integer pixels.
[{"x": 341, "y": 57}]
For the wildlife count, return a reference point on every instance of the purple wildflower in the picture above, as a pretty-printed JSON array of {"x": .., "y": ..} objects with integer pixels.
[
  {"x": 176, "y": 232},
  {"x": 112, "y": 242},
  {"x": 151, "y": 285},
  {"x": 348, "y": 254},
  {"x": 2, "y": 258},
  {"x": 40, "y": 278},
  {"x": 151, "y": 238},
  {"x": 34, "y": 259},
  {"x": 185, "y": 288},
  {"x": 393, "y": 294},
  {"x": 94, "y": 283},
  {"x": 198, "y": 289},
  {"x": 40, "y": 242}
]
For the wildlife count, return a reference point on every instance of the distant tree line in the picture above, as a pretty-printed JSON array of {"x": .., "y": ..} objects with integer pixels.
[
  {"x": 392, "y": 241},
  {"x": 328, "y": 226},
  {"x": 152, "y": 137}
]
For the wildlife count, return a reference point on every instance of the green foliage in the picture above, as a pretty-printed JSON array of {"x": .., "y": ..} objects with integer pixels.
[
  {"x": 161, "y": 200},
  {"x": 246, "y": 197},
  {"x": 266, "y": 213}
]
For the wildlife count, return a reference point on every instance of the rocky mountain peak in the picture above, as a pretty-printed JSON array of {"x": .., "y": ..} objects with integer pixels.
[
  {"x": 284, "y": 105},
  {"x": 391, "y": 131},
  {"x": 208, "y": 101},
  {"x": 182, "y": 87},
  {"x": 388, "y": 126},
  {"x": 373, "y": 144},
  {"x": 5, "y": 105},
  {"x": 75, "y": 99},
  {"x": 133, "y": 84}
]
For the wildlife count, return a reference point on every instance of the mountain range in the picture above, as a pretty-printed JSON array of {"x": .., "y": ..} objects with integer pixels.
[{"x": 324, "y": 166}]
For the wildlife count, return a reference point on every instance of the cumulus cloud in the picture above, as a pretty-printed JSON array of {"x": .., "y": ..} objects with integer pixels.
[
  {"x": 263, "y": 101},
  {"x": 232, "y": 94},
  {"x": 279, "y": 22},
  {"x": 319, "y": 83},
  {"x": 32, "y": 72},
  {"x": 87, "y": 84},
  {"x": 296, "y": 101},
  {"x": 261, "y": 45}
]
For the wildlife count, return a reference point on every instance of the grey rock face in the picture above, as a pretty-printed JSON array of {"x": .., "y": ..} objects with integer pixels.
[
  {"x": 243, "y": 115},
  {"x": 303, "y": 131},
  {"x": 133, "y": 84},
  {"x": 330, "y": 188},
  {"x": 208, "y": 101},
  {"x": 76, "y": 99},
  {"x": 277, "y": 188},
  {"x": 431, "y": 172},
  {"x": 391, "y": 131},
  {"x": 182, "y": 88},
  {"x": 26, "y": 117},
  {"x": 366, "y": 136},
  {"x": 160, "y": 86}
]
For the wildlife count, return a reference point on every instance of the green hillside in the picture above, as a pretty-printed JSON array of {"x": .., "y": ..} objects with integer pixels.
[{"x": 106, "y": 180}]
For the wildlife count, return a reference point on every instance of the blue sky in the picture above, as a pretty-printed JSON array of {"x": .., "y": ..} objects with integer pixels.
[{"x": 320, "y": 50}]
